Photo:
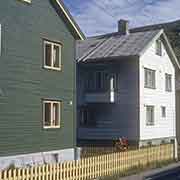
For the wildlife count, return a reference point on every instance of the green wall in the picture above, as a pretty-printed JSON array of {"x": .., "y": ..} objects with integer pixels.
[{"x": 24, "y": 83}]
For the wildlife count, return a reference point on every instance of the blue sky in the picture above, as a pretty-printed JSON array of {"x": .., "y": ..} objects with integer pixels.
[{"x": 101, "y": 16}]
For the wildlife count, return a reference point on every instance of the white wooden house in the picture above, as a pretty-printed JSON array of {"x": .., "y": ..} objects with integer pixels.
[{"x": 126, "y": 87}]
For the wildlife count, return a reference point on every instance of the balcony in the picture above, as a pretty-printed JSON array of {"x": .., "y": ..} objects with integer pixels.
[
  {"x": 101, "y": 88},
  {"x": 101, "y": 96}
]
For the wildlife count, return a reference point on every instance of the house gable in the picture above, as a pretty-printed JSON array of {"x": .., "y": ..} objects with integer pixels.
[
  {"x": 167, "y": 47},
  {"x": 157, "y": 97},
  {"x": 25, "y": 83}
]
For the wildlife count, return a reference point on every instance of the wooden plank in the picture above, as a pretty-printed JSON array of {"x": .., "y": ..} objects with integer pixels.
[
  {"x": 61, "y": 171},
  {"x": 9, "y": 175},
  {"x": 1, "y": 175}
]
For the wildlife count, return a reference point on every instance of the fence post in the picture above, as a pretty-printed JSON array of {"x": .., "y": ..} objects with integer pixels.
[{"x": 175, "y": 149}]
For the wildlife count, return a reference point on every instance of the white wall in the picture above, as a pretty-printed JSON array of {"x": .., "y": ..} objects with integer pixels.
[{"x": 164, "y": 127}]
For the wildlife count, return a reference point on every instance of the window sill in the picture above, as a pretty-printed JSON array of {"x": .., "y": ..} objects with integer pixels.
[
  {"x": 150, "y": 125},
  {"x": 53, "y": 68},
  {"x": 159, "y": 55},
  {"x": 169, "y": 91},
  {"x": 147, "y": 87},
  {"x": 26, "y": 1},
  {"x": 51, "y": 127}
]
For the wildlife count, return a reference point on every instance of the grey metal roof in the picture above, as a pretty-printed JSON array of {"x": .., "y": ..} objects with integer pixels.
[{"x": 113, "y": 45}]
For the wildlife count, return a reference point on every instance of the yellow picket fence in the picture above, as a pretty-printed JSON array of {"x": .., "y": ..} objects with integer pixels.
[{"x": 92, "y": 167}]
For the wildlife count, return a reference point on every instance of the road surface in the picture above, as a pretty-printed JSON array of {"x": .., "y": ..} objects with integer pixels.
[{"x": 173, "y": 174}]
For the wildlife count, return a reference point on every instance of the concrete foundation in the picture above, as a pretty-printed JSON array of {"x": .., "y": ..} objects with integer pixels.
[{"x": 34, "y": 159}]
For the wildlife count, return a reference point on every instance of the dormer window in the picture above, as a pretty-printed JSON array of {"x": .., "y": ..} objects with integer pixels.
[{"x": 159, "y": 47}]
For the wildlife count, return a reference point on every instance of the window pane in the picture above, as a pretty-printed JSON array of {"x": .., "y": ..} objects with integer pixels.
[
  {"x": 149, "y": 115},
  {"x": 90, "y": 81},
  {"x": 56, "y": 56},
  {"x": 48, "y": 54},
  {"x": 47, "y": 114},
  {"x": 159, "y": 48},
  {"x": 99, "y": 80},
  {"x": 56, "y": 112},
  {"x": 163, "y": 109},
  {"x": 149, "y": 78},
  {"x": 168, "y": 82},
  {"x": 84, "y": 117}
]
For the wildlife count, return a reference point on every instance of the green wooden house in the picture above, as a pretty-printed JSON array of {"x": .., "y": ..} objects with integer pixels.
[{"x": 37, "y": 82}]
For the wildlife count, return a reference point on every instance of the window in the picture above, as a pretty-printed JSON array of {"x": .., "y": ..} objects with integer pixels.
[
  {"x": 159, "y": 47},
  {"x": 101, "y": 81},
  {"x": 52, "y": 55},
  {"x": 163, "y": 111},
  {"x": 168, "y": 82},
  {"x": 87, "y": 117},
  {"x": 84, "y": 117},
  {"x": 149, "y": 115},
  {"x": 149, "y": 78},
  {"x": 51, "y": 114}
]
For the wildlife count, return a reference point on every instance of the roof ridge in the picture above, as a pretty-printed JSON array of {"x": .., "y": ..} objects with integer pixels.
[
  {"x": 108, "y": 35},
  {"x": 157, "y": 26}
]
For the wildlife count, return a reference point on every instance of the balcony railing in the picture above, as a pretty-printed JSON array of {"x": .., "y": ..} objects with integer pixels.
[{"x": 101, "y": 96}]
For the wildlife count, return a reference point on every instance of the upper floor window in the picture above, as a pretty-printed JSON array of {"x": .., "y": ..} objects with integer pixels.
[
  {"x": 101, "y": 81},
  {"x": 168, "y": 82},
  {"x": 163, "y": 111},
  {"x": 52, "y": 55},
  {"x": 51, "y": 114},
  {"x": 149, "y": 115},
  {"x": 159, "y": 47},
  {"x": 149, "y": 78}
]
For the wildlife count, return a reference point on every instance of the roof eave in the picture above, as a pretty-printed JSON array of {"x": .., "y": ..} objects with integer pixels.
[
  {"x": 107, "y": 59},
  {"x": 151, "y": 41},
  {"x": 70, "y": 19},
  {"x": 161, "y": 33},
  {"x": 171, "y": 50}
]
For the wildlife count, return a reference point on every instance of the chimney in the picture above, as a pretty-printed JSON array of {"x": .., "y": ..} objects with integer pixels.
[{"x": 123, "y": 26}]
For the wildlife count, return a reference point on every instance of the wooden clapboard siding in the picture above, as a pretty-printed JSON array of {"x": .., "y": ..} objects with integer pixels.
[
  {"x": 163, "y": 127},
  {"x": 24, "y": 83}
]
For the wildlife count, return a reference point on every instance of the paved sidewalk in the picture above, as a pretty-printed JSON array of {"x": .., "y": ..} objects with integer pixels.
[{"x": 141, "y": 176}]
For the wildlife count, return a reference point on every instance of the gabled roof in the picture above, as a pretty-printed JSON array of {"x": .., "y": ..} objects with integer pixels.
[
  {"x": 114, "y": 45},
  {"x": 65, "y": 14},
  {"x": 172, "y": 30}
]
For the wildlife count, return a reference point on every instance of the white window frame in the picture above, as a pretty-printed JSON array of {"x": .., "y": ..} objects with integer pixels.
[
  {"x": 159, "y": 47},
  {"x": 59, "y": 115},
  {"x": 152, "y": 123},
  {"x": 52, "y": 49},
  {"x": 168, "y": 88},
  {"x": 151, "y": 85}
]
